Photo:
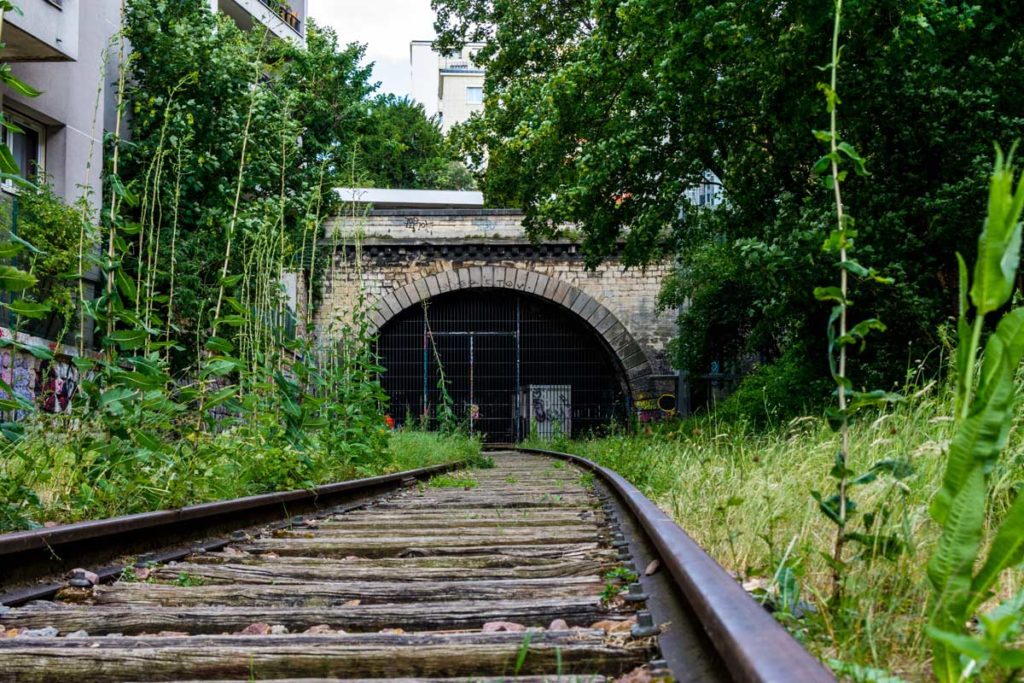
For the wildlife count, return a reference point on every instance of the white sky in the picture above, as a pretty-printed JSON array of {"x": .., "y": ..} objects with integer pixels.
[{"x": 386, "y": 27}]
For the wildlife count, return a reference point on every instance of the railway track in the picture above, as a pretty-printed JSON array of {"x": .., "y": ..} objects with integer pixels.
[{"x": 540, "y": 568}]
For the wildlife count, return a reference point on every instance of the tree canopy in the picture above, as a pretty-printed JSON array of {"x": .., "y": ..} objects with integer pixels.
[
  {"x": 603, "y": 113},
  {"x": 200, "y": 94}
]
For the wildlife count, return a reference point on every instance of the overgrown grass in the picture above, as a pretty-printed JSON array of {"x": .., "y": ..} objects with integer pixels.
[
  {"x": 51, "y": 481},
  {"x": 744, "y": 496},
  {"x": 409, "y": 449}
]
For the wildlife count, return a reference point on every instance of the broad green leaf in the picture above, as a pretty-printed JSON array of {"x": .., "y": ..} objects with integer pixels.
[
  {"x": 999, "y": 244},
  {"x": 7, "y": 163},
  {"x": 14, "y": 280},
  {"x": 959, "y": 643},
  {"x": 218, "y": 367},
  {"x": 976, "y": 444},
  {"x": 128, "y": 339},
  {"x": 1003, "y": 353},
  {"x": 220, "y": 345},
  {"x": 10, "y": 250},
  {"x": 1007, "y": 551},
  {"x": 221, "y": 396},
  {"x": 13, "y": 431},
  {"x": 21, "y": 87},
  {"x": 829, "y": 294},
  {"x": 40, "y": 352},
  {"x": 858, "y": 161},
  {"x": 119, "y": 190},
  {"x": 951, "y": 565},
  {"x": 29, "y": 309}
]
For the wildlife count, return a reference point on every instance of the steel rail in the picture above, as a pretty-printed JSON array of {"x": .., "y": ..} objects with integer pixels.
[
  {"x": 752, "y": 645},
  {"x": 27, "y": 556}
]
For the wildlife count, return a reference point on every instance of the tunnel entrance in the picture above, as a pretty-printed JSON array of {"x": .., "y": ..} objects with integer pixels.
[{"x": 513, "y": 364}]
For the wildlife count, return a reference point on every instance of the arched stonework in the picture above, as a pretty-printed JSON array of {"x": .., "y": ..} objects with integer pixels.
[{"x": 628, "y": 352}]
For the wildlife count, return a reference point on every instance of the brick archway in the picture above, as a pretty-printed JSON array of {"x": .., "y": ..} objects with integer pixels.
[{"x": 634, "y": 362}]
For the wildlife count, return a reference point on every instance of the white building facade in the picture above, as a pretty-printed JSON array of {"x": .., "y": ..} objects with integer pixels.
[{"x": 450, "y": 86}]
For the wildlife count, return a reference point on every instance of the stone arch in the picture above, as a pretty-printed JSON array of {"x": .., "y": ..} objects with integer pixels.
[{"x": 635, "y": 363}]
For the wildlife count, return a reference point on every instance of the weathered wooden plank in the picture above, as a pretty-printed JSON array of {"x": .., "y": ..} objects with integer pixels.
[
  {"x": 420, "y": 536},
  {"x": 556, "y": 678},
  {"x": 422, "y": 616},
  {"x": 470, "y": 561},
  {"x": 327, "y": 594},
  {"x": 455, "y": 526},
  {"x": 456, "y": 503},
  {"x": 425, "y": 638},
  {"x": 375, "y": 548},
  {"x": 281, "y": 572},
  {"x": 59, "y": 665},
  {"x": 539, "y": 517}
]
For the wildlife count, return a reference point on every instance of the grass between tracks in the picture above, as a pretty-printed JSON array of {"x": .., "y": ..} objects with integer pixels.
[
  {"x": 51, "y": 482},
  {"x": 744, "y": 495}
]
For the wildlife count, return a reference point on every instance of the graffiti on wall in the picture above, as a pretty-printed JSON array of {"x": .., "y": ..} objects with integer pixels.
[
  {"x": 48, "y": 384},
  {"x": 550, "y": 410},
  {"x": 650, "y": 408},
  {"x": 56, "y": 384}
]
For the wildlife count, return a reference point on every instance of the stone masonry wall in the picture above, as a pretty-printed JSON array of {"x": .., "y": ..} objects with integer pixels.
[{"x": 401, "y": 249}]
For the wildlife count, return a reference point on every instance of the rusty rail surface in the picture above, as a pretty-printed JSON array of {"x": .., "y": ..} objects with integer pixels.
[{"x": 446, "y": 576}]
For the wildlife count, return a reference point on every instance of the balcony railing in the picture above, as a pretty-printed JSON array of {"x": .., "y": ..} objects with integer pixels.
[{"x": 284, "y": 11}]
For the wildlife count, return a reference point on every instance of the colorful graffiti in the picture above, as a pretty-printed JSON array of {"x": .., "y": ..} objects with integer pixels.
[
  {"x": 48, "y": 384},
  {"x": 655, "y": 408},
  {"x": 56, "y": 384}
]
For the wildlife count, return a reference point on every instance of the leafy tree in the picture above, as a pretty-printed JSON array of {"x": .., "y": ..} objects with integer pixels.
[
  {"x": 402, "y": 148},
  {"x": 603, "y": 113},
  {"x": 231, "y": 129}
]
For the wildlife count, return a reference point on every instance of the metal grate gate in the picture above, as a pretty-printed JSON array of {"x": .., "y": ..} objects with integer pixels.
[{"x": 512, "y": 364}]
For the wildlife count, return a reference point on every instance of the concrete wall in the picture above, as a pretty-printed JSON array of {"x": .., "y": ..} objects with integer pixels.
[
  {"x": 42, "y": 30},
  {"x": 423, "y": 72},
  {"x": 77, "y": 103},
  {"x": 439, "y": 81},
  {"x": 407, "y": 256},
  {"x": 454, "y": 107}
]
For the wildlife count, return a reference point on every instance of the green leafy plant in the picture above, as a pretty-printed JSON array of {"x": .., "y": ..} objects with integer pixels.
[
  {"x": 984, "y": 415},
  {"x": 839, "y": 506},
  {"x": 187, "y": 580},
  {"x": 614, "y": 579},
  {"x": 460, "y": 480}
]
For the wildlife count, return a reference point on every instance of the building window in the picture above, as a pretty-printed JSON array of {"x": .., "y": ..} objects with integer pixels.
[
  {"x": 474, "y": 95},
  {"x": 27, "y": 141}
]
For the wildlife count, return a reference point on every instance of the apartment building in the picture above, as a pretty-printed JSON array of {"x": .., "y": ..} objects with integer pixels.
[{"x": 450, "y": 86}]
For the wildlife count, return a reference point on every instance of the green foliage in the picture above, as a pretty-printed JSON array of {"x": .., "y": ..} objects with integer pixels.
[
  {"x": 219, "y": 115},
  {"x": 840, "y": 506},
  {"x": 602, "y": 114},
  {"x": 186, "y": 580},
  {"x": 741, "y": 493},
  {"x": 206, "y": 387},
  {"x": 985, "y": 415},
  {"x": 776, "y": 392},
  {"x": 50, "y": 235},
  {"x": 401, "y": 148},
  {"x": 460, "y": 480},
  {"x": 614, "y": 581}
]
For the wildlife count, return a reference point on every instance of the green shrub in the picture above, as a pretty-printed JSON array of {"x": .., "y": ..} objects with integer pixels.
[{"x": 776, "y": 392}]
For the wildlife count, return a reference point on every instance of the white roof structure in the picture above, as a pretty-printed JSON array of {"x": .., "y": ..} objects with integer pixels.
[{"x": 412, "y": 199}]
